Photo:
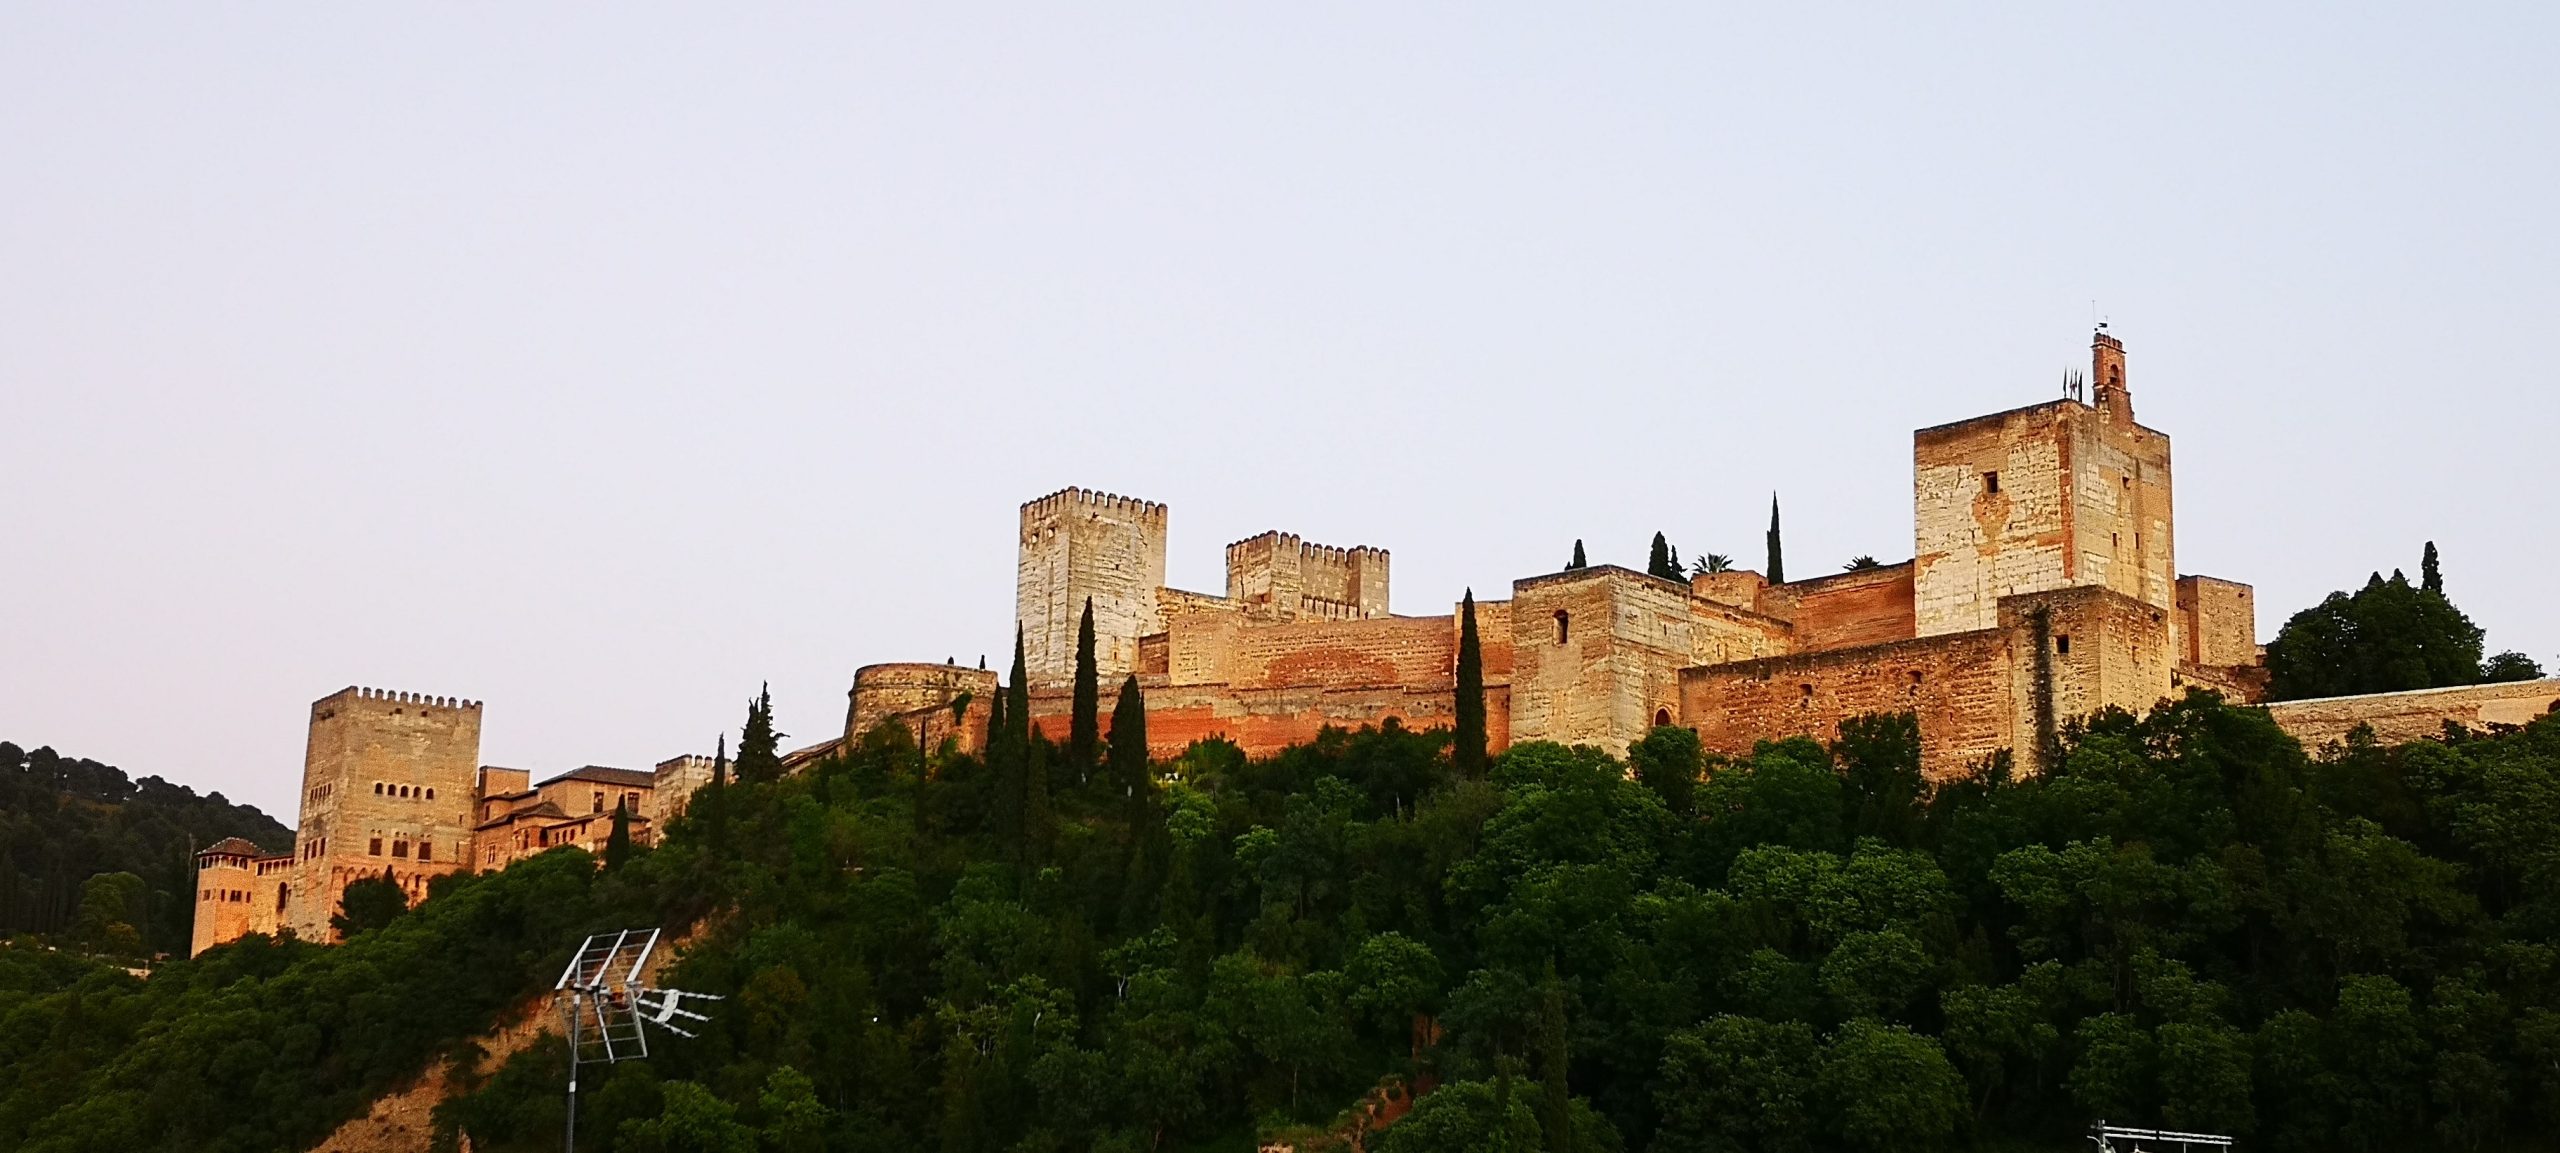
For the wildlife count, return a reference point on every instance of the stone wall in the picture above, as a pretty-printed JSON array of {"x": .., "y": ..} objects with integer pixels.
[
  {"x": 386, "y": 776},
  {"x": 2217, "y": 622},
  {"x": 1846, "y": 610},
  {"x": 2416, "y": 715},
  {"x": 1959, "y": 684},
  {"x": 1077, "y": 545},
  {"x": 911, "y": 691},
  {"x": 1263, "y": 721},
  {"x": 2054, "y": 495},
  {"x": 1597, "y": 653},
  {"x": 1280, "y": 576}
]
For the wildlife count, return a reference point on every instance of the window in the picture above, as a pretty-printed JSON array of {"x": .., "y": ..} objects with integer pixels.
[
  {"x": 377, "y": 788},
  {"x": 279, "y": 898},
  {"x": 400, "y": 849},
  {"x": 431, "y": 794},
  {"x": 376, "y": 848},
  {"x": 1564, "y": 626},
  {"x": 2062, "y": 644},
  {"x": 1807, "y": 701},
  {"x": 1990, "y": 482},
  {"x": 1661, "y": 717},
  {"x": 426, "y": 851},
  {"x": 599, "y": 804}
]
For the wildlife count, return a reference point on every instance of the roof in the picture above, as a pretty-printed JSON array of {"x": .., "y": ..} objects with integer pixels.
[
  {"x": 235, "y": 847},
  {"x": 545, "y": 809},
  {"x": 602, "y": 775}
]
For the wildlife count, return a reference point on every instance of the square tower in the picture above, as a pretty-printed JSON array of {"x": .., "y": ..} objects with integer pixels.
[
  {"x": 2052, "y": 496},
  {"x": 388, "y": 781},
  {"x": 1078, "y": 545},
  {"x": 1279, "y": 576}
]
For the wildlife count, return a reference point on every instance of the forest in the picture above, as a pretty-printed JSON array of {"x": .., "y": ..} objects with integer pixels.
[
  {"x": 2191, "y": 922},
  {"x": 71, "y": 826}
]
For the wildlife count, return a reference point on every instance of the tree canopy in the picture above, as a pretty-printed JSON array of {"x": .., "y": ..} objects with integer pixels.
[{"x": 2389, "y": 636}]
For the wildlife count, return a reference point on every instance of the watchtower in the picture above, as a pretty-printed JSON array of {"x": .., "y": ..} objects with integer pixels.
[
  {"x": 388, "y": 781},
  {"x": 1076, "y": 545},
  {"x": 1281, "y": 577},
  {"x": 2051, "y": 496}
]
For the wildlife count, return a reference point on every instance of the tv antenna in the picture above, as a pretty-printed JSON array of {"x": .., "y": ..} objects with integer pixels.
[
  {"x": 2118, "y": 1139},
  {"x": 609, "y": 1008}
]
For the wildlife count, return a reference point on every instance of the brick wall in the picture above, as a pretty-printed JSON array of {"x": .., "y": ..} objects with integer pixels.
[
  {"x": 1846, "y": 610},
  {"x": 2417, "y": 715},
  {"x": 1263, "y": 721},
  {"x": 1597, "y": 654},
  {"x": 1959, "y": 684}
]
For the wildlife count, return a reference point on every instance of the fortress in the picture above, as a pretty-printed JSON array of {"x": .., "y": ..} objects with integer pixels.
[{"x": 2043, "y": 587}]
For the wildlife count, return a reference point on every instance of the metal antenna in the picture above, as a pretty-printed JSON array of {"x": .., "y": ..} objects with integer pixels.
[
  {"x": 601, "y": 995},
  {"x": 2118, "y": 1139}
]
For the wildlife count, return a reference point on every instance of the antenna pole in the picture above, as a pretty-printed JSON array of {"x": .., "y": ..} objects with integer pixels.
[{"x": 574, "y": 998}]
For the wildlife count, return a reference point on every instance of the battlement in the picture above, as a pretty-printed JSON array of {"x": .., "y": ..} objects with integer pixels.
[
  {"x": 1070, "y": 499},
  {"x": 1317, "y": 552},
  {"x": 1282, "y": 575},
  {"x": 362, "y": 693}
]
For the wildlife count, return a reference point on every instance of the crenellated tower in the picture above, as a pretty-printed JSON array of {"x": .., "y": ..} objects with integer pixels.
[
  {"x": 1277, "y": 576},
  {"x": 388, "y": 782},
  {"x": 1078, "y": 544}
]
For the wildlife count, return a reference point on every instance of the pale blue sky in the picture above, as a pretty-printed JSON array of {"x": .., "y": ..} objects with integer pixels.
[{"x": 598, "y": 362}]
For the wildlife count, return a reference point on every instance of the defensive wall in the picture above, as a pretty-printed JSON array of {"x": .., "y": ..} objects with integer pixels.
[
  {"x": 1078, "y": 545},
  {"x": 933, "y": 702},
  {"x": 1280, "y": 576},
  {"x": 2418, "y": 714},
  {"x": 387, "y": 779}
]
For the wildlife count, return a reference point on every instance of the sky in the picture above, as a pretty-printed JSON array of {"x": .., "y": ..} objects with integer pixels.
[{"x": 603, "y": 362}]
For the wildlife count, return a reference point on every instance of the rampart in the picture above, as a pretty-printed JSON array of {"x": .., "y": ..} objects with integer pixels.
[
  {"x": 1278, "y": 575},
  {"x": 2418, "y": 714},
  {"x": 933, "y": 701},
  {"x": 1078, "y": 546}
]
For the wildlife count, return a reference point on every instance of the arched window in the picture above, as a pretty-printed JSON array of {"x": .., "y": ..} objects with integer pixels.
[
  {"x": 279, "y": 898},
  {"x": 1564, "y": 626},
  {"x": 1661, "y": 717}
]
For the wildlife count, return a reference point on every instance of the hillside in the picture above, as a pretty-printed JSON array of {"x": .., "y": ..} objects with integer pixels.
[
  {"x": 66, "y": 820},
  {"x": 2191, "y": 923}
]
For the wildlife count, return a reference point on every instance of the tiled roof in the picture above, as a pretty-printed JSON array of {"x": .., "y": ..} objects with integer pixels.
[
  {"x": 236, "y": 847},
  {"x": 544, "y": 810},
  {"x": 619, "y": 778}
]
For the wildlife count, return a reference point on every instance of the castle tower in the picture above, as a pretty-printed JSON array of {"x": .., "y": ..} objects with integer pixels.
[
  {"x": 1279, "y": 576},
  {"x": 388, "y": 780},
  {"x": 1078, "y": 544},
  {"x": 2051, "y": 496}
]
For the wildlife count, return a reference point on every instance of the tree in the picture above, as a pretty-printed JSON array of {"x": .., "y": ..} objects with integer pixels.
[
  {"x": 2388, "y": 636},
  {"x": 1129, "y": 741},
  {"x": 1777, "y": 556},
  {"x": 2430, "y": 576},
  {"x": 759, "y": 746},
  {"x": 1737, "y": 1083},
  {"x": 1861, "y": 562},
  {"x": 113, "y": 906},
  {"x": 694, "y": 1120},
  {"x": 1556, "y": 1100},
  {"x": 1084, "y": 723},
  {"x": 1577, "y": 561},
  {"x": 712, "y": 807},
  {"x": 617, "y": 846},
  {"x": 1713, "y": 562},
  {"x": 1664, "y": 562},
  {"x": 369, "y": 904},
  {"x": 1467, "y": 750},
  {"x": 1668, "y": 760},
  {"x": 2509, "y": 666},
  {"x": 1885, "y": 1087}
]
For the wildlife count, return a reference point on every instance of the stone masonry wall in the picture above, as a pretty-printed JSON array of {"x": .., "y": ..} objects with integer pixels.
[
  {"x": 1847, "y": 610},
  {"x": 1278, "y": 575},
  {"x": 1959, "y": 685},
  {"x": 1076, "y": 544},
  {"x": 2416, "y": 715},
  {"x": 1597, "y": 654},
  {"x": 383, "y": 774},
  {"x": 2217, "y": 622},
  {"x": 900, "y": 690}
]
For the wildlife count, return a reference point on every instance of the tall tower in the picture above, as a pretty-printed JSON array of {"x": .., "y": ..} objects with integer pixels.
[
  {"x": 1078, "y": 544},
  {"x": 2051, "y": 496},
  {"x": 387, "y": 783}
]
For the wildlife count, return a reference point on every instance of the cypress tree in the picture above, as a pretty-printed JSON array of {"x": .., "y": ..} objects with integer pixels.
[
  {"x": 1037, "y": 819},
  {"x": 995, "y": 721},
  {"x": 617, "y": 847},
  {"x": 1660, "y": 560},
  {"x": 1467, "y": 752},
  {"x": 1777, "y": 556},
  {"x": 2430, "y": 577},
  {"x": 1577, "y": 561},
  {"x": 712, "y": 807},
  {"x": 1129, "y": 740},
  {"x": 1084, "y": 724},
  {"x": 759, "y": 747},
  {"x": 1006, "y": 747}
]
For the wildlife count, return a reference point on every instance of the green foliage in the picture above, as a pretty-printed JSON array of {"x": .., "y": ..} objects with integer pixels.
[
  {"x": 111, "y": 904},
  {"x": 759, "y": 746},
  {"x": 1467, "y": 738},
  {"x": 1084, "y": 720},
  {"x": 1665, "y": 561},
  {"x": 1668, "y": 761},
  {"x": 2186, "y": 922},
  {"x": 617, "y": 845},
  {"x": 1777, "y": 555},
  {"x": 1578, "y": 561},
  {"x": 369, "y": 904},
  {"x": 65, "y": 821},
  {"x": 1713, "y": 562},
  {"x": 1860, "y": 563},
  {"x": 2388, "y": 636}
]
